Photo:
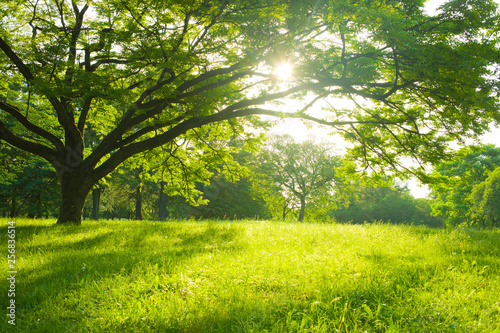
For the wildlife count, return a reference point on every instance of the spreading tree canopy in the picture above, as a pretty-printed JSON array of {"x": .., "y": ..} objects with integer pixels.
[{"x": 142, "y": 74}]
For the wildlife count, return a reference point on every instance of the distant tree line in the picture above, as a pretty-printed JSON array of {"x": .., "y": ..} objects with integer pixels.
[
  {"x": 386, "y": 204},
  {"x": 276, "y": 182}
]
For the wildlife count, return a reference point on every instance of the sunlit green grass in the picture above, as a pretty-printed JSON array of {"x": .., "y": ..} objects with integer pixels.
[{"x": 123, "y": 276}]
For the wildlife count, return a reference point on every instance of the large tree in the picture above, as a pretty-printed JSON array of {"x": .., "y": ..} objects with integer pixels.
[{"x": 141, "y": 74}]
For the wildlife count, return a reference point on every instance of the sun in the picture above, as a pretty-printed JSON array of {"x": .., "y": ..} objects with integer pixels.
[{"x": 283, "y": 71}]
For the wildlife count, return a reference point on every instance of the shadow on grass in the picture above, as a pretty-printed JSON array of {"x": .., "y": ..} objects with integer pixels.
[
  {"x": 373, "y": 304},
  {"x": 76, "y": 257}
]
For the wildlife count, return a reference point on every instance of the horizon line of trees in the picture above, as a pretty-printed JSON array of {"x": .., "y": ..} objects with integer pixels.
[
  {"x": 261, "y": 188},
  {"x": 275, "y": 182}
]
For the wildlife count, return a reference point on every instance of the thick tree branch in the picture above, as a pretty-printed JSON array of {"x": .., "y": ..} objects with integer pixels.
[
  {"x": 21, "y": 66},
  {"x": 215, "y": 85},
  {"x": 208, "y": 75},
  {"x": 28, "y": 75},
  {"x": 84, "y": 113},
  {"x": 134, "y": 148},
  {"x": 16, "y": 113},
  {"x": 75, "y": 34},
  {"x": 143, "y": 131},
  {"x": 159, "y": 83},
  {"x": 35, "y": 148}
]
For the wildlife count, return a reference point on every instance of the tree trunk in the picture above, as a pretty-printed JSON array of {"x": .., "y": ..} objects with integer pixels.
[
  {"x": 138, "y": 203},
  {"x": 96, "y": 202},
  {"x": 13, "y": 207},
  {"x": 163, "y": 203},
  {"x": 285, "y": 211},
  {"x": 302, "y": 208},
  {"x": 74, "y": 191}
]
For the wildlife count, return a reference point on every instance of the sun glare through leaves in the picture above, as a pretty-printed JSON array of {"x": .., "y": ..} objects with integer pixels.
[{"x": 284, "y": 71}]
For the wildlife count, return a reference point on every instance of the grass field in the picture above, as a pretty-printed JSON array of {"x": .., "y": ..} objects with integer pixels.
[{"x": 125, "y": 276}]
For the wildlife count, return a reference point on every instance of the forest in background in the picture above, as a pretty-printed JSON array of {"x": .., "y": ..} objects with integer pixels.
[{"x": 251, "y": 190}]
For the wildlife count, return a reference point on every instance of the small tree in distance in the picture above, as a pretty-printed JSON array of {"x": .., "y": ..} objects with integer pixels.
[{"x": 304, "y": 171}]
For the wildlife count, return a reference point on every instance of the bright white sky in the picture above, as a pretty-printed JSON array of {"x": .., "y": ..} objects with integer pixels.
[{"x": 301, "y": 130}]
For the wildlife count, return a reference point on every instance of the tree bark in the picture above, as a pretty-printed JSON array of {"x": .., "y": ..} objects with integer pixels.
[
  {"x": 163, "y": 202},
  {"x": 74, "y": 190},
  {"x": 96, "y": 202},
  {"x": 13, "y": 207},
  {"x": 138, "y": 203},
  {"x": 302, "y": 209}
]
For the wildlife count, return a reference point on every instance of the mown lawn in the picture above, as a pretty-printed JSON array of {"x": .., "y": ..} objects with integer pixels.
[{"x": 124, "y": 276}]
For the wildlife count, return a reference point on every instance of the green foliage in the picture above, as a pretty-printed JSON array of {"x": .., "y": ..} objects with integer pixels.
[
  {"x": 194, "y": 160},
  {"x": 455, "y": 180},
  {"x": 234, "y": 189},
  {"x": 137, "y": 276},
  {"x": 231, "y": 200},
  {"x": 392, "y": 205},
  {"x": 266, "y": 190},
  {"x": 304, "y": 171},
  {"x": 207, "y": 178},
  {"x": 485, "y": 197},
  {"x": 28, "y": 185},
  {"x": 119, "y": 196}
]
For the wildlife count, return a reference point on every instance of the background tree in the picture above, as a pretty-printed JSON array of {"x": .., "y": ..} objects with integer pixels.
[
  {"x": 485, "y": 197},
  {"x": 391, "y": 204},
  {"x": 231, "y": 200},
  {"x": 304, "y": 171},
  {"x": 28, "y": 185},
  {"x": 235, "y": 194},
  {"x": 204, "y": 181},
  {"x": 456, "y": 179},
  {"x": 276, "y": 203},
  {"x": 120, "y": 199},
  {"x": 140, "y": 75}
]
